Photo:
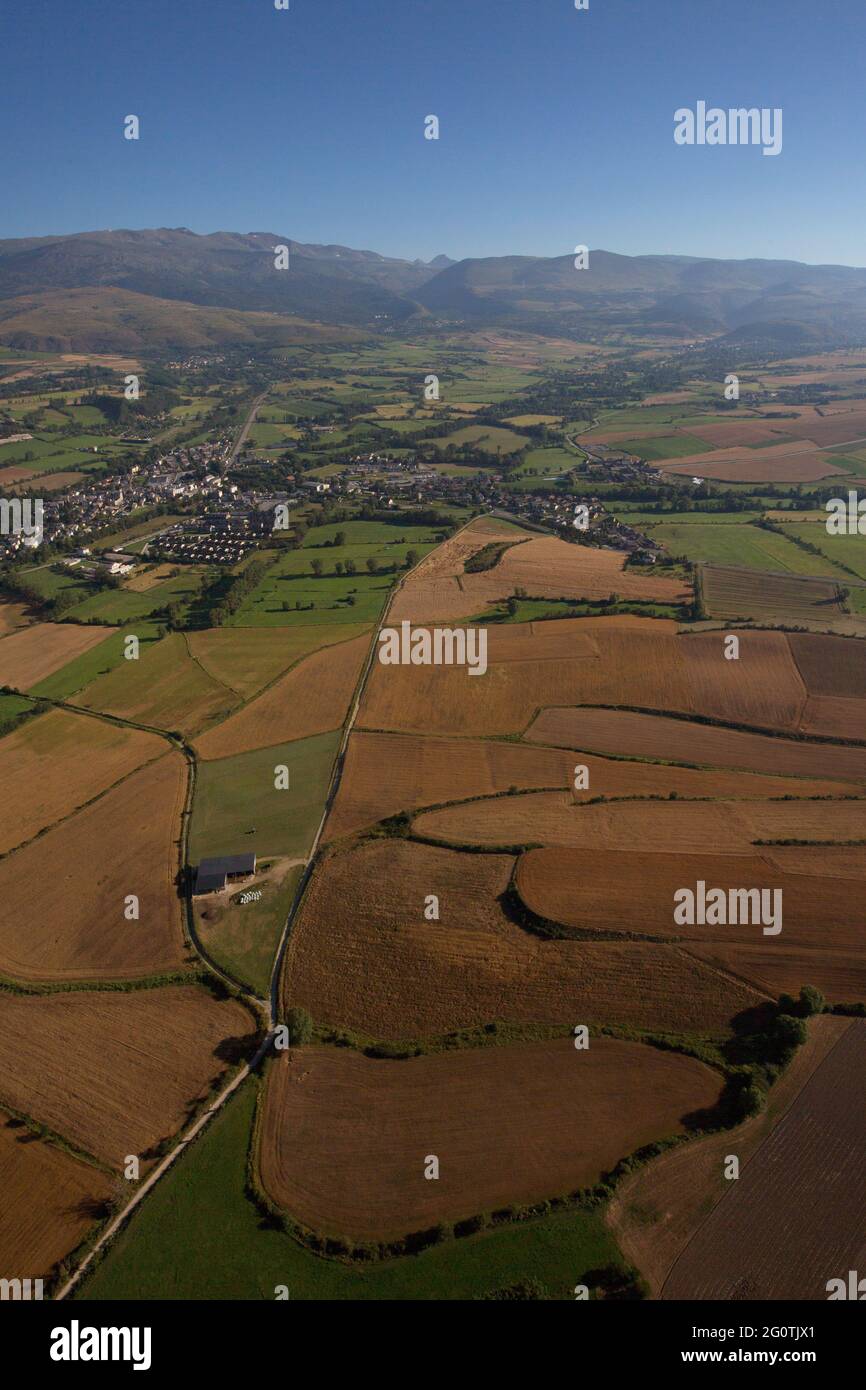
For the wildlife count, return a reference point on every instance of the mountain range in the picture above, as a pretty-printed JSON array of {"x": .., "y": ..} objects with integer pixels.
[{"x": 170, "y": 288}]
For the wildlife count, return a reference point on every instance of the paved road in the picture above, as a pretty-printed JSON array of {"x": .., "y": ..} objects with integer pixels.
[{"x": 247, "y": 426}]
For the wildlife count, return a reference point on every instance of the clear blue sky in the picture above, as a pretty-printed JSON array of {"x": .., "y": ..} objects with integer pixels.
[{"x": 556, "y": 125}]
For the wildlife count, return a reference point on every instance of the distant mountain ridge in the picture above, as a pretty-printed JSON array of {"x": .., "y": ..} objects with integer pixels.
[{"x": 339, "y": 285}]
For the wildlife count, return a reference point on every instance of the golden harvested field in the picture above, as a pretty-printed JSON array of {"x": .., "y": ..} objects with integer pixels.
[
  {"x": 652, "y": 736},
  {"x": 49, "y": 1201},
  {"x": 634, "y": 661},
  {"x": 165, "y": 688},
  {"x": 57, "y": 762},
  {"x": 362, "y": 956},
  {"x": 544, "y": 566},
  {"x": 795, "y": 1217},
  {"x": 434, "y": 592},
  {"x": 62, "y": 896},
  {"x": 388, "y": 773},
  {"x": 115, "y": 1073},
  {"x": 248, "y": 658},
  {"x": 27, "y": 657},
  {"x": 313, "y": 698},
  {"x": 656, "y": 1209},
  {"x": 659, "y": 827},
  {"x": 12, "y": 617},
  {"x": 633, "y": 891},
  {"x": 139, "y": 583},
  {"x": 344, "y": 1137}
]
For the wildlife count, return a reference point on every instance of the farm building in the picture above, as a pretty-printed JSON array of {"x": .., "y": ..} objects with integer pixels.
[{"x": 212, "y": 875}]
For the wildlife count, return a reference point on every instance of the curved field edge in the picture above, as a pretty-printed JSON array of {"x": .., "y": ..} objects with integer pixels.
[
  {"x": 361, "y": 1182},
  {"x": 655, "y": 1239},
  {"x": 200, "y": 1236}
]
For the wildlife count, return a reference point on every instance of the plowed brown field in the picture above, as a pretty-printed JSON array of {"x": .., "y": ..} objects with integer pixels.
[
  {"x": 797, "y": 1214},
  {"x": 312, "y": 698},
  {"x": 362, "y": 955},
  {"x": 60, "y": 761},
  {"x": 652, "y": 736},
  {"x": 831, "y": 666},
  {"x": 433, "y": 593},
  {"x": 344, "y": 1138},
  {"x": 62, "y": 897},
  {"x": 612, "y": 891},
  {"x": 48, "y": 1202},
  {"x": 656, "y": 1210},
  {"x": 115, "y": 1073}
]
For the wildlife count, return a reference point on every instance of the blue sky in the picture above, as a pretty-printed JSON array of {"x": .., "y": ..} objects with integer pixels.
[{"x": 556, "y": 125}]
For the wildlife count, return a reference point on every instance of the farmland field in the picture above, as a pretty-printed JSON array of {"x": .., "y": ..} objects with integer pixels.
[
  {"x": 238, "y": 806},
  {"x": 793, "y": 1221},
  {"x": 652, "y": 736},
  {"x": 47, "y": 1197},
  {"x": 748, "y": 547},
  {"x": 340, "y": 1138},
  {"x": 552, "y": 818},
  {"x": 36, "y": 652},
  {"x": 58, "y": 762},
  {"x": 115, "y": 1073},
  {"x": 658, "y": 1208},
  {"x": 313, "y": 698},
  {"x": 247, "y": 659},
  {"x": 63, "y": 896},
  {"x": 234, "y": 1257},
  {"x": 362, "y": 955},
  {"x": 165, "y": 688},
  {"x": 740, "y": 593},
  {"x": 817, "y": 911},
  {"x": 617, "y": 661}
]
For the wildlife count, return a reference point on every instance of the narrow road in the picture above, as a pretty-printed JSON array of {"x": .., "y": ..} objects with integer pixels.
[
  {"x": 247, "y": 426},
  {"x": 273, "y": 995}
]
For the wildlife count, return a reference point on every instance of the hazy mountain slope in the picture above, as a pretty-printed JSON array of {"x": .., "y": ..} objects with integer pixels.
[
  {"x": 104, "y": 319},
  {"x": 682, "y": 295},
  {"x": 326, "y": 283}
]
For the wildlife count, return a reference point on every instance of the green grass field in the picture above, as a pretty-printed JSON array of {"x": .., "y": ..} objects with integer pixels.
[
  {"x": 243, "y": 937},
  {"x": 97, "y": 662},
  {"x": 234, "y": 796},
  {"x": 291, "y": 581},
  {"x": 743, "y": 545},
  {"x": 119, "y": 606},
  {"x": 663, "y": 446},
  {"x": 198, "y": 1236},
  {"x": 493, "y": 439},
  {"x": 12, "y": 707},
  {"x": 847, "y": 550}
]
